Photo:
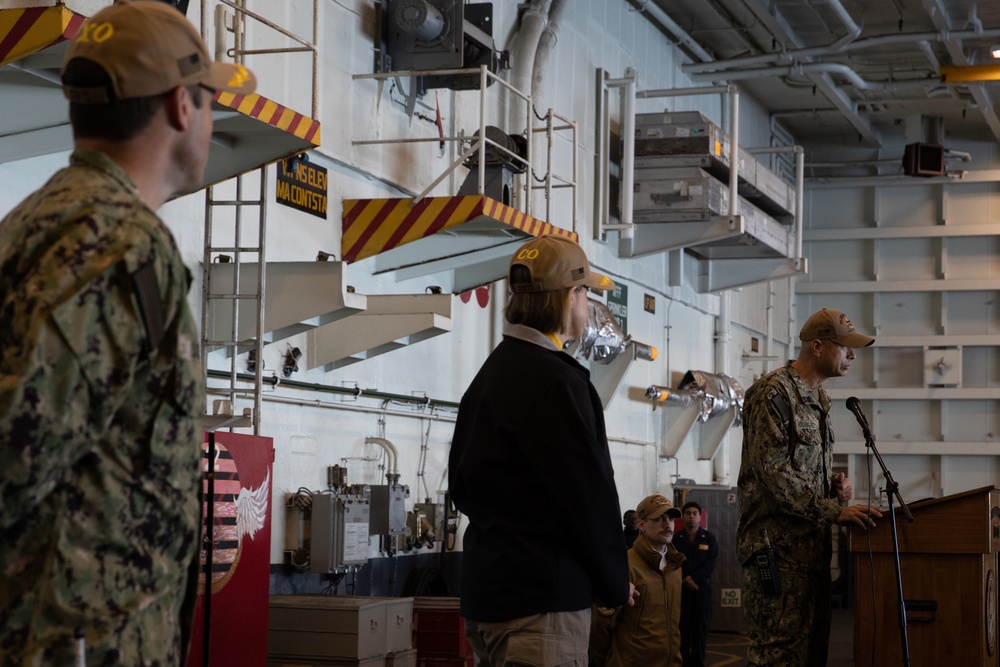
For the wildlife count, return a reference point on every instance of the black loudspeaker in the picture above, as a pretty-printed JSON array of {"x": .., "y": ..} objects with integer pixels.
[{"x": 923, "y": 160}]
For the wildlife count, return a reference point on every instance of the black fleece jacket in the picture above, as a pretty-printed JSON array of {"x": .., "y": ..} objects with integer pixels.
[{"x": 530, "y": 468}]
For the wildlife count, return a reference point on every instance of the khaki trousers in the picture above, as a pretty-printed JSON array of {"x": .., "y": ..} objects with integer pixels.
[{"x": 555, "y": 639}]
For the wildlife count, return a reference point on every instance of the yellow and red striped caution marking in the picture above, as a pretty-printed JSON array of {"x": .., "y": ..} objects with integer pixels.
[
  {"x": 273, "y": 114},
  {"x": 372, "y": 226},
  {"x": 29, "y": 30}
]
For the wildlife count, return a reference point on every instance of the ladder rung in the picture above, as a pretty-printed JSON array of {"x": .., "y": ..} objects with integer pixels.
[
  {"x": 218, "y": 295},
  {"x": 236, "y": 202},
  {"x": 230, "y": 343}
]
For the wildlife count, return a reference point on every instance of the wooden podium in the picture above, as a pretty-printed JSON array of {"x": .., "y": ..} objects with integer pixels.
[{"x": 948, "y": 562}]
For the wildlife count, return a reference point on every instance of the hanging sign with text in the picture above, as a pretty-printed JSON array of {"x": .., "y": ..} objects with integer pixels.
[
  {"x": 302, "y": 185},
  {"x": 618, "y": 305}
]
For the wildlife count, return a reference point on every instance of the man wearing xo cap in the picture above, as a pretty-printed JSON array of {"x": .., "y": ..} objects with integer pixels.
[
  {"x": 649, "y": 632},
  {"x": 100, "y": 381},
  {"x": 529, "y": 442},
  {"x": 790, "y": 497}
]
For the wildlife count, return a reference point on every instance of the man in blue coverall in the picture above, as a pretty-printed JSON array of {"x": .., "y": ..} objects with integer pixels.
[{"x": 702, "y": 552}]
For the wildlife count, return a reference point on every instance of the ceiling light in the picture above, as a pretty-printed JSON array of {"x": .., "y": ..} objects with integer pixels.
[{"x": 995, "y": 51}]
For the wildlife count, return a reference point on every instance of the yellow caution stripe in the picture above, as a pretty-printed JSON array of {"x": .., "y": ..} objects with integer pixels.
[
  {"x": 29, "y": 30},
  {"x": 372, "y": 226},
  {"x": 272, "y": 113}
]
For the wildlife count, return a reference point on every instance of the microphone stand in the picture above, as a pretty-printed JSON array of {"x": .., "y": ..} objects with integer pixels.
[{"x": 892, "y": 490}]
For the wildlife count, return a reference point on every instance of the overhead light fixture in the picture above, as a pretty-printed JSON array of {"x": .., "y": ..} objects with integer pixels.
[{"x": 995, "y": 52}]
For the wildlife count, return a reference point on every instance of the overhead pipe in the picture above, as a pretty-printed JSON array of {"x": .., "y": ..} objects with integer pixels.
[
  {"x": 722, "y": 68},
  {"x": 657, "y": 15},
  {"x": 853, "y": 29},
  {"x": 356, "y": 392},
  {"x": 546, "y": 45},
  {"x": 811, "y": 68},
  {"x": 949, "y": 154},
  {"x": 974, "y": 20},
  {"x": 348, "y": 407},
  {"x": 853, "y": 32},
  {"x": 522, "y": 58},
  {"x": 392, "y": 452}
]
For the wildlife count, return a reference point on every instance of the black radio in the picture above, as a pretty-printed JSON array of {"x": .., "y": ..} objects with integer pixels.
[{"x": 764, "y": 559}]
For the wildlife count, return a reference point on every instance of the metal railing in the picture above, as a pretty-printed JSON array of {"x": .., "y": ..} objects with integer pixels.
[{"x": 479, "y": 143}]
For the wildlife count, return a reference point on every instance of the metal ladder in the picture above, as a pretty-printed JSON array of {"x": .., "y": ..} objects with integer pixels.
[
  {"x": 234, "y": 248},
  {"x": 237, "y": 245}
]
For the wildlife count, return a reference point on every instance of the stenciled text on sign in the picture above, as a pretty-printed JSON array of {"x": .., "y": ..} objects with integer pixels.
[{"x": 302, "y": 185}]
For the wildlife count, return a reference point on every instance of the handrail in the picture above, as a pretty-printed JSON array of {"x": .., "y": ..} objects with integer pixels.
[
  {"x": 480, "y": 142},
  {"x": 238, "y": 52}
]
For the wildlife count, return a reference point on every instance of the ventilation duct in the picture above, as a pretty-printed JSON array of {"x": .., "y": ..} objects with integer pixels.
[
  {"x": 714, "y": 399},
  {"x": 603, "y": 340},
  {"x": 716, "y": 393}
]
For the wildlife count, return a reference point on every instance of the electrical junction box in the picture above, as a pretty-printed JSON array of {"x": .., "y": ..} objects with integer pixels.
[
  {"x": 434, "y": 515},
  {"x": 339, "y": 530},
  {"x": 388, "y": 511}
]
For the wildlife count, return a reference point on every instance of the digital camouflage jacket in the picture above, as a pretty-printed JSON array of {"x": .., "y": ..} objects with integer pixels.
[
  {"x": 100, "y": 392},
  {"x": 786, "y": 471}
]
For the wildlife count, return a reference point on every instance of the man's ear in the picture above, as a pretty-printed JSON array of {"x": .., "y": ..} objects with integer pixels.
[{"x": 179, "y": 108}]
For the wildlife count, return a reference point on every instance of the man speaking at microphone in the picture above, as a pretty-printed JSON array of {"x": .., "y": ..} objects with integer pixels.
[{"x": 790, "y": 498}]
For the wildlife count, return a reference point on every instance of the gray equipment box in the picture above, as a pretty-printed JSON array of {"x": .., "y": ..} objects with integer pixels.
[
  {"x": 407, "y": 658},
  {"x": 339, "y": 530},
  {"x": 692, "y": 195},
  {"x": 688, "y": 139},
  {"x": 326, "y": 627},
  {"x": 398, "y": 624},
  {"x": 388, "y": 515}
]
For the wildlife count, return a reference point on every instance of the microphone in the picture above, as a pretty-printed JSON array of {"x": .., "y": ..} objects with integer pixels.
[{"x": 854, "y": 405}]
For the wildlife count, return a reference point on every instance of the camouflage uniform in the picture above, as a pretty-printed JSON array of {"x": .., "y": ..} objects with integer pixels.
[
  {"x": 785, "y": 486},
  {"x": 100, "y": 392}
]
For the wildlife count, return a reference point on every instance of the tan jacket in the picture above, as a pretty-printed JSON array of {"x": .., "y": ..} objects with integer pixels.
[{"x": 647, "y": 634}]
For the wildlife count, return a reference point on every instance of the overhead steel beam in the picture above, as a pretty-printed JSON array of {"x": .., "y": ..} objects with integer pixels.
[
  {"x": 984, "y": 102},
  {"x": 848, "y": 108},
  {"x": 783, "y": 32}
]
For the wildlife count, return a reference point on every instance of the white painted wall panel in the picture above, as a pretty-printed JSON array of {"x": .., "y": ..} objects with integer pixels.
[
  {"x": 899, "y": 366},
  {"x": 908, "y": 259},
  {"x": 838, "y": 208},
  {"x": 973, "y": 312},
  {"x": 975, "y": 204},
  {"x": 908, "y": 206}
]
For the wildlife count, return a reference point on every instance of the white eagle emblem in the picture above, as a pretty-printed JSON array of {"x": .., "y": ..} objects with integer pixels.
[{"x": 251, "y": 509}]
